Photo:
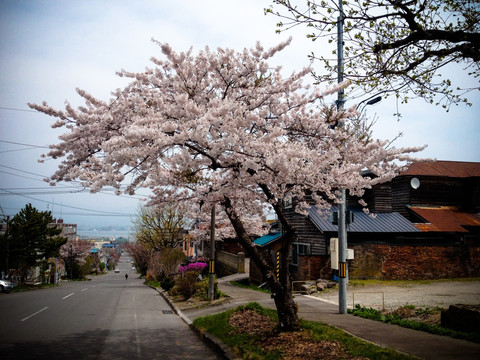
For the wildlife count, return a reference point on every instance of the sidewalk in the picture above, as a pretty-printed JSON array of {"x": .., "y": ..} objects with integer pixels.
[{"x": 412, "y": 342}]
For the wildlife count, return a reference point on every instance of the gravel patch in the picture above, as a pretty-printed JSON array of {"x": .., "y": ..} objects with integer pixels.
[{"x": 436, "y": 294}]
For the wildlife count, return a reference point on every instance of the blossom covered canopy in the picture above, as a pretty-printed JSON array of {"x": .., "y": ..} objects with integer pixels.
[{"x": 215, "y": 125}]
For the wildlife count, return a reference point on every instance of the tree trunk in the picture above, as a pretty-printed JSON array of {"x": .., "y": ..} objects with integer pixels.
[{"x": 281, "y": 289}]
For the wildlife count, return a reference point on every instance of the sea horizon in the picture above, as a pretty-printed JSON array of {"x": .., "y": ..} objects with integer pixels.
[{"x": 94, "y": 234}]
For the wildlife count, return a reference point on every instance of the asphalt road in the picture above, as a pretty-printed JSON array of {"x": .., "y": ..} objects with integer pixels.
[{"x": 106, "y": 318}]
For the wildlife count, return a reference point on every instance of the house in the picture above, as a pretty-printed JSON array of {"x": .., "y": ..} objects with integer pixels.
[
  {"x": 426, "y": 226},
  {"x": 68, "y": 230}
]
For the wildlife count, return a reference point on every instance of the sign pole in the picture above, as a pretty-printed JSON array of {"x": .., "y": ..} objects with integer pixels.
[{"x": 211, "y": 265}]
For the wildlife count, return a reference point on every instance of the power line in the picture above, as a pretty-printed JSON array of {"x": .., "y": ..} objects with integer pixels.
[
  {"x": 53, "y": 192},
  {"x": 16, "y": 109},
  {"x": 97, "y": 212},
  {"x": 15, "y": 150},
  {"x": 23, "y": 144},
  {"x": 41, "y": 192},
  {"x": 23, "y": 171},
  {"x": 24, "y": 177},
  {"x": 40, "y": 188},
  {"x": 79, "y": 185},
  {"x": 74, "y": 213}
]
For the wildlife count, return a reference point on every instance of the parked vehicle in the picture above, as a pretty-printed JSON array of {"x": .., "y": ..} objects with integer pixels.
[
  {"x": 6, "y": 286},
  {"x": 117, "y": 270}
]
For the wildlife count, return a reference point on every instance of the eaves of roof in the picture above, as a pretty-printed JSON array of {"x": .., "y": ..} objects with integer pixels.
[
  {"x": 364, "y": 223},
  {"x": 444, "y": 219},
  {"x": 455, "y": 169},
  {"x": 267, "y": 239}
]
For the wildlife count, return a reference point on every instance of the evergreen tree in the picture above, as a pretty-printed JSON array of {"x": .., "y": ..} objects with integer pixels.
[{"x": 31, "y": 239}]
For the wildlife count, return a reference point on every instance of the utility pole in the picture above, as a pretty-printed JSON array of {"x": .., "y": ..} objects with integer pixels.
[
  {"x": 211, "y": 265},
  {"x": 7, "y": 246},
  {"x": 342, "y": 233}
]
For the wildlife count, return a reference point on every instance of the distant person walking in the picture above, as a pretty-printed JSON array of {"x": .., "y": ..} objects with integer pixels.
[{"x": 126, "y": 276}]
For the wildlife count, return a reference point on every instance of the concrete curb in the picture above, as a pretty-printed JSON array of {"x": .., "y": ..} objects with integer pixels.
[{"x": 212, "y": 341}]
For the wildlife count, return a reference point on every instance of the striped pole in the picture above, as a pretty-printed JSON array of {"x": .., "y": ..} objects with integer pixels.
[{"x": 277, "y": 267}]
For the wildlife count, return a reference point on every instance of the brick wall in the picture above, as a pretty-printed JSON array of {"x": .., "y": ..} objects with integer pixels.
[
  {"x": 312, "y": 268},
  {"x": 414, "y": 262},
  {"x": 405, "y": 262}
]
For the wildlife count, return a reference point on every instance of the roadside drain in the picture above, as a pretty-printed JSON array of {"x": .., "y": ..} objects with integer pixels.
[{"x": 167, "y": 311}]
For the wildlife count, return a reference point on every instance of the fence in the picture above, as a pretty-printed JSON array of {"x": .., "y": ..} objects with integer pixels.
[{"x": 232, "y": 263}]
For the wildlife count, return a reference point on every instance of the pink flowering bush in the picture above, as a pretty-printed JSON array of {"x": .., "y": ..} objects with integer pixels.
[
  {"x": 187, "y": 285},
  {"x": 196, "y": 267}
]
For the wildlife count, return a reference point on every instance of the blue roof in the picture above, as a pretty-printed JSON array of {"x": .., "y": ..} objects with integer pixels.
[
  {"x": 363, "y": 223},
  {"x": 266, "y": 239}
]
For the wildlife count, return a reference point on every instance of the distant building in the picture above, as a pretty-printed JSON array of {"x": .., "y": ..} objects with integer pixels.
[{"x": 68, "y": 230}]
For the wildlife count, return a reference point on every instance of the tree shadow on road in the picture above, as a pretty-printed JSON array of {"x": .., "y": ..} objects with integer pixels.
[{"x": 117, "y": 344}]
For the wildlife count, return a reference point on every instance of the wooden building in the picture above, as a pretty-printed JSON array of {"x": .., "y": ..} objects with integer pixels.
[{"x": 426, "y": 226}]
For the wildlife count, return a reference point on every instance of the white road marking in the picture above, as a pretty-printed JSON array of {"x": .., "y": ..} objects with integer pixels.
[
  {"x": 84, "y": 289},
  {"x": 38, "y": 312},
  {"x": 137, "y": 335},
  {"x": 67, "y": 296}
]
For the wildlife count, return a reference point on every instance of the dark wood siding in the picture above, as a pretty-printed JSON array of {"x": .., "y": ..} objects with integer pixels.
[
  {"x": 435, "y": 191},
  {"x": 382, "y": 198},
  {"x": 307, "y": 233},
  {"x": 472, "y": 196},
  {"x": 401, "y": 195}
]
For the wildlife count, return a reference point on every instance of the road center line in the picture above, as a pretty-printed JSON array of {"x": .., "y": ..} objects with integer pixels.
[
  {"x": 38, "y": 312},
  {"x": 67, "y": 296},
  {"x": 137, "y": 335}
]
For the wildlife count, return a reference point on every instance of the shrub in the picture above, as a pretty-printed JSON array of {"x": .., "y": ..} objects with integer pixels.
[
  {"x": 187, "y": 284},
  {"x": 202, "y": 290},
  {"x": 197, "y": 267},
  {"x": 169, "y": 259},
  {"x": 167, "y": 283}
]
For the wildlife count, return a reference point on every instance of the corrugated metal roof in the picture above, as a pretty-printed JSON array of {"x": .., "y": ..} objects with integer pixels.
[
  {"x": 364, "y": 223},
  {"x": 266, "y": 239},
  {"x": 457, "y": 169},
  {"x": 444, "y": 218}
]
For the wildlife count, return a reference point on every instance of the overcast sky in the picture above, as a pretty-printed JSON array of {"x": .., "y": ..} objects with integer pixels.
[{"x": 49, "y": 48}]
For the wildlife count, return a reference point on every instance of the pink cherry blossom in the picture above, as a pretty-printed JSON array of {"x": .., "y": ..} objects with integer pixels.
[{"x": 222, "y": 127}]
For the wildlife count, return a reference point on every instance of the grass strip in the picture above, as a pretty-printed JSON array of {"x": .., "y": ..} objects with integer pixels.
[
  {"x": 250, "y": 346},
  {"x": 373, "y": 314},
  {"x": 405, "y": 283}
]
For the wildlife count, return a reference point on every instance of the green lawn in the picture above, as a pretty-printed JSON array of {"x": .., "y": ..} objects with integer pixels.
[{"x": 252, "y": 346}]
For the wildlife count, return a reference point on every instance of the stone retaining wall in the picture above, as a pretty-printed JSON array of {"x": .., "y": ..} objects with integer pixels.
[{"x": 228, "y": 263}]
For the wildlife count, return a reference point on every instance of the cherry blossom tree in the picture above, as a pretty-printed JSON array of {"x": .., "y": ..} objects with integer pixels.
[
  {"x": 254, "y": 223},
  {"x": 141, "y": 256},
  {"x": 73, "y": 254},
  {"x": 221, "y": 128}
]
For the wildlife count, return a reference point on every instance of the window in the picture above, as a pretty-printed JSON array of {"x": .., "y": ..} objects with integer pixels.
[
  {"x": 287, "y": 201},
  {"x": 299, "y": 249}
]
